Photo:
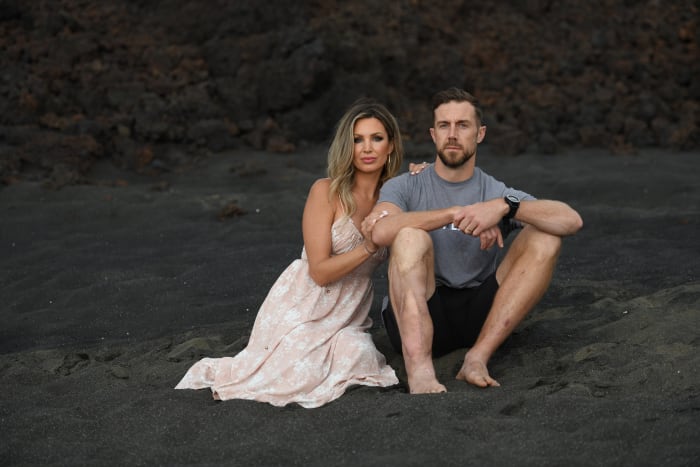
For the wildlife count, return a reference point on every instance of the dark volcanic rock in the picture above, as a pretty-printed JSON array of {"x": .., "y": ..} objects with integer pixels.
[{"x": 84, "y": 80}]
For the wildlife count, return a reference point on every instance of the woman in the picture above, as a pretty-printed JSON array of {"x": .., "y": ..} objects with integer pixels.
[{"x": 310, "y": 342}]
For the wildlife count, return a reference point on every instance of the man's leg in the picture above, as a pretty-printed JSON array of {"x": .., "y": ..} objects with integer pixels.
[
  {"x": 411, "y": 283},
  {"x": 523, "y": 278}
]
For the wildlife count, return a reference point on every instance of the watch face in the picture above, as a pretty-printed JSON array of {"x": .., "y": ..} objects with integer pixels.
[{"x": 513, "y": 198}]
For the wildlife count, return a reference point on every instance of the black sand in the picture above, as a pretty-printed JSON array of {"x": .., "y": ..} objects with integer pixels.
[{"x": 109, "y": 293}]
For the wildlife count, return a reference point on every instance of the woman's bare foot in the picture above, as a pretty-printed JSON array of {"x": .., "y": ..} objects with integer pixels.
[{"x": 475, "y": 372}]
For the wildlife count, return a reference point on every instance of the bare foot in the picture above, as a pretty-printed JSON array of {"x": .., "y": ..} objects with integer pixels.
[
  {"x": 475, "y": 372},
  {"x": 422, "y": 380},
  {"x": 425, "y": 387}
]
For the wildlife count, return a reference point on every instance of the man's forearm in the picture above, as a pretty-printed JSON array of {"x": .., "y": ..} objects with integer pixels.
[
  {"x": 386, "y": 228},
  {"x": 550, "y": 216}
]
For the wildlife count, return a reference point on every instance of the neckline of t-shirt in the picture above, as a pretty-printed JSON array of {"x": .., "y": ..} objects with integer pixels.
[{"x": 441, "y": 180}]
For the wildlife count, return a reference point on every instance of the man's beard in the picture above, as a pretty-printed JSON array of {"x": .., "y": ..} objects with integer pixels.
[{"x": 455, "y": 163}]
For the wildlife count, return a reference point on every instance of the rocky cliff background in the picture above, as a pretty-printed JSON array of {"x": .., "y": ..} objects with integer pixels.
[{"x": 157, "y": 85}]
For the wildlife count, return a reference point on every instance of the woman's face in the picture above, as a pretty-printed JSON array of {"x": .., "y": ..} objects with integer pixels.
[{"x": 372, "y": 145}]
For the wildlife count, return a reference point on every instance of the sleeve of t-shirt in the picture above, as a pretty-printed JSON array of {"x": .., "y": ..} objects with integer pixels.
[
  {"x": 496, "y": 188},
  {"x": 522, "y": 196},
  {"x": 395, "y": 191},
  {"x": 509, "y": 225}
]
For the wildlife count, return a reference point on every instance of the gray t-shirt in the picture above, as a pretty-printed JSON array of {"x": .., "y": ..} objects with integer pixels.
[{"x": 459, "y": 260}]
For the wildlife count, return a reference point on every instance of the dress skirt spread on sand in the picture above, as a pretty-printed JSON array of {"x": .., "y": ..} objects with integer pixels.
[{"x": 309, "y": 343}]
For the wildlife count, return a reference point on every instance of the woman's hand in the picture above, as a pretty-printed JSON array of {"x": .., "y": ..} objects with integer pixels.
[
  {"x": 415, "y": 169},
  {"x": 366, "y": 228}
]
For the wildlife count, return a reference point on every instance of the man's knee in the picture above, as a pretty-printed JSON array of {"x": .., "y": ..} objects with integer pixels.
[
  {"x": 543, "y": 246},
  {"x": 411, "y": 242},
  {"x": 410, "y": 247}
]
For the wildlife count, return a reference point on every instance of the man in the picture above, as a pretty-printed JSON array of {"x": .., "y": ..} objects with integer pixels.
[{"x": 446, "y": 289}]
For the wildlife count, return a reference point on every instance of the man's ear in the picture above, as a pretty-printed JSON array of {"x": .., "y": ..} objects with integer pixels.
[{"x": 482, "y": 134}]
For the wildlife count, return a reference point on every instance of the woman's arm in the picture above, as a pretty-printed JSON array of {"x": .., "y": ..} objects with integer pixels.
[{"x": 319, "y": 214}]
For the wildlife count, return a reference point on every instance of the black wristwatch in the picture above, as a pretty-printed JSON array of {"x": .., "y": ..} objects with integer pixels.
[{"x": 513, "y": 203}]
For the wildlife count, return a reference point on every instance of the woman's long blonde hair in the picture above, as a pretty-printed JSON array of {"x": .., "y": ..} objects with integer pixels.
[{"x": 341, "y": 169}]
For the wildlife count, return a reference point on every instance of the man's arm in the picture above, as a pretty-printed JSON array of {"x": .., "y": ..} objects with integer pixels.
[
  {"x": 553, "y": 217},
  {"x": 388, "y": 226}
]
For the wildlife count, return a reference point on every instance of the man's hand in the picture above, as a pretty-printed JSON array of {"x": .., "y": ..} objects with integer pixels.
[
  {"x": 491, "y": 237},
  {"x": 476, "y": 218}
]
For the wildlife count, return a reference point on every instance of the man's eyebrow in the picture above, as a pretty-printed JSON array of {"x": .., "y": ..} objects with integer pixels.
[{"x": 458, "y": 121}]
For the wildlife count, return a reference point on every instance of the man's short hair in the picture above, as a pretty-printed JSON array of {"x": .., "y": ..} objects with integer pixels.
[{"x": 457, "y": 95}]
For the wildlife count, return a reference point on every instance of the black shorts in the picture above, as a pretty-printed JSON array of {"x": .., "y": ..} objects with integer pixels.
[{"x": 457, "y": 314}]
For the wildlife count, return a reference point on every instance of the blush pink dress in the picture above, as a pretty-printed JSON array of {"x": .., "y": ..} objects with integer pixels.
[{"x": 309, "y": 343}]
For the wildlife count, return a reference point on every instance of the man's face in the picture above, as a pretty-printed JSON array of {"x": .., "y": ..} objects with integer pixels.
[{"x": 456, "y": 133}]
